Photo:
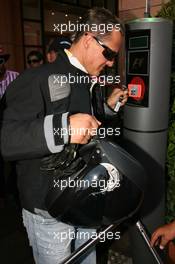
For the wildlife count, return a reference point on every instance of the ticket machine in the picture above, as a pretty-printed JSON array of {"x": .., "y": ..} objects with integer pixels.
[{"x": 148, "y": 70}]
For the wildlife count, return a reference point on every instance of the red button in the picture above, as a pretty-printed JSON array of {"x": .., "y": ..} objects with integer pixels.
[{"x": 137, "y": 88}]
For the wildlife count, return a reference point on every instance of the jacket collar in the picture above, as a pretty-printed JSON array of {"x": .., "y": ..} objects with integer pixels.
[{"x": 71, "y": 60}]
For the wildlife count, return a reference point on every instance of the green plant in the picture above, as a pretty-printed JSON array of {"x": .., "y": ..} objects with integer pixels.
[
  {"x": 171, "y": 159},
  {"x": 168, "y": 11}
]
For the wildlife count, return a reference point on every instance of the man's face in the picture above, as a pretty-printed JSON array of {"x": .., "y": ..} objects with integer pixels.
[
  {"x": 34, "y": 62},
  {"x": 51, "y": 56},
  {"x": 94, "y": 59}
]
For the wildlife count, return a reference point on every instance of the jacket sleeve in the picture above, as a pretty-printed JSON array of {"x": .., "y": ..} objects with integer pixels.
[
  {"x": 102, "y": 111},
  {"x": 26, "y": 132}
]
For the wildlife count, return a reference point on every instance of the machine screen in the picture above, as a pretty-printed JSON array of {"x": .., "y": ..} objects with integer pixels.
[
  {"x": 138, "y": 62},
  {"x": 138, "y": 42}
]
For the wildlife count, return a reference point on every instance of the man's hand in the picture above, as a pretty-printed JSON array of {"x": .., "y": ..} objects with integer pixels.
[
  {"x": 82, "y": 127},
  {"x": 115, "y": 95},
  {"x": 163, "y": 235}
]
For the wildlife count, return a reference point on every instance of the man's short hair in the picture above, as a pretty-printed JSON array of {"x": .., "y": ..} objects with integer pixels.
[
  {"x": 35, "y": 53},
  {"x": 99, "y": 21}
]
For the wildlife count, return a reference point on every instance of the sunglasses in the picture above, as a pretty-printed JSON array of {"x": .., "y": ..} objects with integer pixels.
[
  {"x": 33, "y": 61},
  {"x": 2, "y": 61},
  {"x": 108, "y": 53}
]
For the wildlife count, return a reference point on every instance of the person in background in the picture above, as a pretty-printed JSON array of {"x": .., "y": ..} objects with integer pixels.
[
  {"x": 60, "y": 42},
  {"x": 35, "y": 59},
  {"x": 163, "y": 235},
  {"x": 6, "y": 77}
]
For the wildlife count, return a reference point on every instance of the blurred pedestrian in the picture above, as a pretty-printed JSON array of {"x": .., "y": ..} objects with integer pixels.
[
  {"x": 35, "y": 58},
  {"x": 6, "y": 76},
  {"x": 60, "y": 42}
]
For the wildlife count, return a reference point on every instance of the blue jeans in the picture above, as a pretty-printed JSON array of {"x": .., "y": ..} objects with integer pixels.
[{"x": 51, "y": 240}]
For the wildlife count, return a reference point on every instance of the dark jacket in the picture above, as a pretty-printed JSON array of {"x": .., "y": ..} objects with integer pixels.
[{"x": 35, "y": 108}]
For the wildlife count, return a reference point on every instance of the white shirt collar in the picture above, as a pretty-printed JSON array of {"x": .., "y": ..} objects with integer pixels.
[{"x": 74, "y": 61}]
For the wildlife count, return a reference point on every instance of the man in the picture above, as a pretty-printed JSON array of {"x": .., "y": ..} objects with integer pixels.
[
  {"x": 6, "y": 76},
  {"x": 47, "y": 102},
  {"x": 163, "y": 235},
  {"x": 60, "y": 42},
  {"x": 35, "y": 59}
]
